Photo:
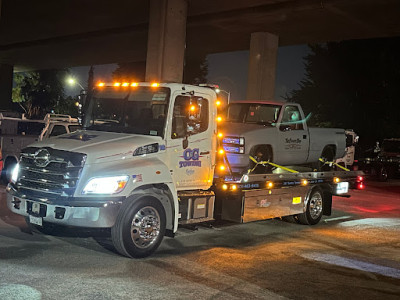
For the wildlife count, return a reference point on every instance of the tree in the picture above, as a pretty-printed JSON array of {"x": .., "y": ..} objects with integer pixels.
[
  {"x": 134, "y": 71},
  {"x": 354, "y": 84},
  {"x": 39, "y": 92}
]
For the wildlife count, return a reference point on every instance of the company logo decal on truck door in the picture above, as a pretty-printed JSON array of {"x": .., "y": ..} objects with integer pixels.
[{"x": 191, "y": 158}]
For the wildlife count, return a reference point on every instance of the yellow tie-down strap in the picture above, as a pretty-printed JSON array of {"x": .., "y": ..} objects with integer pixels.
[
  {"x": 268, "y": 163},
  {"x": 333, "y": 163}
]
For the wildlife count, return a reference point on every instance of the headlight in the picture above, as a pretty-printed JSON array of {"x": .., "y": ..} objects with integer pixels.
[
  {"x": 106, "y": 185},
  {"x": 152, "y": 148},
  {"x": 15, "y": 174}
]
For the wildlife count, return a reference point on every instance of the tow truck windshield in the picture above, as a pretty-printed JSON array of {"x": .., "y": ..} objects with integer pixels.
[
  {"x": 263, "y": 114},
  {"x": 139, "y": 110}
]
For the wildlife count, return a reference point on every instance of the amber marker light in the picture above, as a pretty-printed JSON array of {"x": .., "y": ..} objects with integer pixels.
[
  {"x": 304, "y": 182},
  {"x": 134, "y": 84},
  {"x": 234, "y": 187},
  {"x": 192, "y": 108},
  {"x": 270, "y": 184},
  {"x": 336, "y": 179},
  {"x": 101, "y": 84},
  {"x": 218, "y": 102},
  {"x": 154, "y": 84},
  {"x": 221, "y": 151},
  {"x": 117, "y": 84},
  {"x": 219, "y": 119},
  {"x": 220, "y": 135},
  {"x": 224, "y": 187},
  {"x": 222, "y": 168},
  {"x": 125, "y": 84}
]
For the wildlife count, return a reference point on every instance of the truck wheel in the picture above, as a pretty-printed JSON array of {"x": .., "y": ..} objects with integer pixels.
[
  {"x": 327, "y": 155},
  {"x": 139, "y": 228},
  {"x": 313, "y": 213},
  {"x": 261, "y": 154}
]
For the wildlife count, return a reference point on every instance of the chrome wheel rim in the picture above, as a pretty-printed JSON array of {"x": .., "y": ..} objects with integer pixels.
[
  {"x": 315, "y": 205},
  {"x": 145, "y": 227}
]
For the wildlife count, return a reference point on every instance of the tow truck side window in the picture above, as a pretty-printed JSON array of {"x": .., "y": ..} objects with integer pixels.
[{"x": 190, "y": 116}]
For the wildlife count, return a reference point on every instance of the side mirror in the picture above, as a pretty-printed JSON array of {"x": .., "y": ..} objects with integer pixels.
[{"x": 185, "y": 142}]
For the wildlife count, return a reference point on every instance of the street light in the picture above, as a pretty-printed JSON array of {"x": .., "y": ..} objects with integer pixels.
[{"x": 72, "y": 81}]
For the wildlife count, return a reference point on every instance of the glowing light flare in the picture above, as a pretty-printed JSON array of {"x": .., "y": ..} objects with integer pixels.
[
  {"x": 360, "y": 178},
  {"x": 224, "y": 187},
  {"x": 218, "y": 103},
  {"x": 336, "y": 179},
  {"x": 234, "y": 187},
  {"x": 360, "y": 186},
  {"x": 219, "y": 119},
  {"x": 192, "y": 108},
  {"x": 101, "y": 84},
  {"x": 155, "y": 84},
  {"x": 125, "y": 84},
  {"x": 270, "y": 184},
  {"x": 133, "y": 84},
  {"x": 221, "y": 151},
  {"x": 117, "y": 84},
  {"x": 304, "y": 182},
  {"x": 220, "y": 135},
  {"x": 222, "y": 168}
]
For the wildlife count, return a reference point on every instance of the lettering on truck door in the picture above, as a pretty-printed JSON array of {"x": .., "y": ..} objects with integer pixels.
[
  {"x": 189, "y": 127},
  {"x": 293, "y": 138}
]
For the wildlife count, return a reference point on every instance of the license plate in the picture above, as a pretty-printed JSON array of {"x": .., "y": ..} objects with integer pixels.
[
  {"x": 342, "y": 188},
  {"x": 35, "y": 220}
]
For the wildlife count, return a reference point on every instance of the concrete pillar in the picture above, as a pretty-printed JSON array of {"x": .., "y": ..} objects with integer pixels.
[
  {"x": 6, "y": 83},
  {"x": 262, "y": 66},
  {"x": 166, "y": 40}
]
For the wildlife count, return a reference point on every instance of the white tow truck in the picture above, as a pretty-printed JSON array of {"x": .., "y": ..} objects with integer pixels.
[{"x": 149, "y": 158}]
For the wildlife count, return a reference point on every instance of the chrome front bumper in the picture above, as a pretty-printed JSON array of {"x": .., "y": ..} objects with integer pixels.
[{"x": 80, "y": 212}]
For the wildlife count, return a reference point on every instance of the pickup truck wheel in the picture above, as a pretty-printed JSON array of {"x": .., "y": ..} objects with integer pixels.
[
  {"x": 261, "y": 154},
  {"x": 327, "y": 156},
  {"x": 139, "y": 228},
  {"x": 313, "y": 213}
]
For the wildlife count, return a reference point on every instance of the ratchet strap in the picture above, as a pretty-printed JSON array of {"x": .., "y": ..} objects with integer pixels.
[
  {"x": 268, "y": 163},
  {"x": 333, "y": 163}
]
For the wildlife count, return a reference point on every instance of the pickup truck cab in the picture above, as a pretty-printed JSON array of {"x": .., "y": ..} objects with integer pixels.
[{"x": 277, "y": 132}]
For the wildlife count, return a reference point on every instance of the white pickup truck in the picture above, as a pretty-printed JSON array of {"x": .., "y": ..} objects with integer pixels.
[
  {"x": 277, "y": 132},
  {"x": 17, "y": 133}
]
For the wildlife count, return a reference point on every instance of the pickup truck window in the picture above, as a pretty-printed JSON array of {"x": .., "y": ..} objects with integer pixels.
[
  {"x": 264, "y": 114},
  {"x": 190, "y": 116},
  {"x": 30, "y": 128},
  {"x": 291, "y": 118},
  {"x": 58, "y": 130},
  {"x": 139, "y": 110}
]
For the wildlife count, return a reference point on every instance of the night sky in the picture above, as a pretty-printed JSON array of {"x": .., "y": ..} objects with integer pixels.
[{"x": 228, "y": 70}]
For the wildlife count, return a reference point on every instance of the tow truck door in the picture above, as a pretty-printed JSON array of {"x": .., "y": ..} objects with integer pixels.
[
  {"x": 293, "y": 139},
  {"x": 189, "y": 141}
]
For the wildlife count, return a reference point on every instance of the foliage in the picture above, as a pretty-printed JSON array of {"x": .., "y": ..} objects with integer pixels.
[
  {"x": 354, "y": 84},
  {"x": 196, "y": 70},
  {"x": 39, "y": 92},
  {"x": 134, "y": 71}
]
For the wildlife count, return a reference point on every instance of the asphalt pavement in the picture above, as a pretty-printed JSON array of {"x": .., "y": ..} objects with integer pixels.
[{"x": 353, "y": 254}]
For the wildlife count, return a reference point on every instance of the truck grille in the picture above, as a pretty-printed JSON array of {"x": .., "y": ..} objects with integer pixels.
[{"x": 48, "y": 174}]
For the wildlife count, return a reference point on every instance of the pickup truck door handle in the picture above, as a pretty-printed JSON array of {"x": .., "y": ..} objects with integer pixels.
[
  {"x": 204, "y": 152},
  {"x": 304, "y": 137}
]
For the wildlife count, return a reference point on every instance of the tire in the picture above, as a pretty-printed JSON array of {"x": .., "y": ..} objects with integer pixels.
[
  {"x": 139, "y": 228},
  {"x": 313, "y": 213},
  {"x": 327, "y": 155},
  {"x": 261, "y": 153}
]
